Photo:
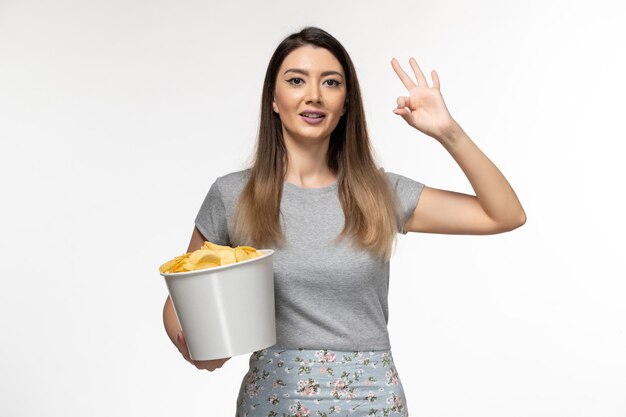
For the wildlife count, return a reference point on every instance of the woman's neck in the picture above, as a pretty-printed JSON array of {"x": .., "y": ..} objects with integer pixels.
[{"x": 308, "y": 165}]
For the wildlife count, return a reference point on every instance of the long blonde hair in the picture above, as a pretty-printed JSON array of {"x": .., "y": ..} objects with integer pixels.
[{"x": 369, "y": 205}]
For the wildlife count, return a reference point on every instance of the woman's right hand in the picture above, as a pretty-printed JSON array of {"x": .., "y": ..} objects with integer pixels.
[{"x": 209, "y": 365}]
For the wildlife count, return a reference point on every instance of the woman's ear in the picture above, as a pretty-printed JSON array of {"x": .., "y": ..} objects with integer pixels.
[{"x": 274, "y": 106}]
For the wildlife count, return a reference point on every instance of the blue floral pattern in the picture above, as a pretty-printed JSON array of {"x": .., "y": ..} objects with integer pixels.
[{"x": 321, "y": 383}]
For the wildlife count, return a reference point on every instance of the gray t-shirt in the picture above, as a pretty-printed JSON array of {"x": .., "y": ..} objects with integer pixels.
[{"x": 328, "y": 295}]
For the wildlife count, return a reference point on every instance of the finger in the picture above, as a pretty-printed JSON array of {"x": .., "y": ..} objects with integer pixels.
[
  {"x": 421, "y": 80},
  {"x": 182, "y": 345},
  {"x": 218, "y": 363},
  {"x": 403, "y": 101},
  {"x": 205, "y": 365},
  {"x": 401, "y": 112},
  {"x": 404, "y": 77},
  {"x": 435, "y": 77},
  {"x": 404, "y": 113},
  {"x": 210, "y": 365}
]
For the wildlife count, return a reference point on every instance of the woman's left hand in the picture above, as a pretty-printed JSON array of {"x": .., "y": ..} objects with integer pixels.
[{"x": 423, "y": 108}]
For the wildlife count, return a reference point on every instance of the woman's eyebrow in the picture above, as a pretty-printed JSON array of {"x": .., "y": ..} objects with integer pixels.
[{"x": 305, "y": 72}]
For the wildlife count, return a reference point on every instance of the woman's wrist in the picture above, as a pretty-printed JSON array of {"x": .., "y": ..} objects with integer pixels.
[{"x": 452, "y": 137}]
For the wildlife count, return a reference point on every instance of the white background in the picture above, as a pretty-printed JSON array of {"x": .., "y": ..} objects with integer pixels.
[{"x": 116, "y": 116}]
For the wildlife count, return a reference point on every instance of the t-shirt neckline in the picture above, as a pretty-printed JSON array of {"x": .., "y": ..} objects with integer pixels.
[{"x": 303, "y": 190}]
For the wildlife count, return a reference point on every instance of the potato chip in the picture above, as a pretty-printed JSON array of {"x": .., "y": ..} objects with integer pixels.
[
  {"x": 246, "y": 252},
  {"x": 214, "y": 246},
  {"x": 227, "y": 256},
  {"x": 204, "y": 255},
  {"x": 170, "y": 266},
  {"x": 209, "y": 255}
]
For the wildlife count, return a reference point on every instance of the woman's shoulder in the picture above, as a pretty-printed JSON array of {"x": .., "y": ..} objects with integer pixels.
[
  {"x": 230, "y": 185},
  {"x": 397, "y": 179},
  {"x": 234, "y": 178}
]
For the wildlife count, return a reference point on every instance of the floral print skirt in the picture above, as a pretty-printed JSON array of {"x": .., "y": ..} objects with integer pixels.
[{"x": 321, "y": 383}]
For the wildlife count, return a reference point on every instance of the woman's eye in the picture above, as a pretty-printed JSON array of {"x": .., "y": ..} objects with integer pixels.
[
  {"x": 333, "y": 83},
  {"x": 295, "y": 81}
]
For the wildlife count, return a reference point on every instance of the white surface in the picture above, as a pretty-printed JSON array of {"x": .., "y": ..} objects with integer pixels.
[
  {"x": 226, "y": 311},
  {"x": 116, "y": 116}
]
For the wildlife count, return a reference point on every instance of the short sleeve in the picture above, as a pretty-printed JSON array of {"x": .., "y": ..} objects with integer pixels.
[
  {"x": 211, "y": 219},
  {"x": 407, "y": 192}
]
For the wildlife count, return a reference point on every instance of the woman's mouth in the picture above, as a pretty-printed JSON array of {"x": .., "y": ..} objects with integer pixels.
[{"x": 312, "y": 117}]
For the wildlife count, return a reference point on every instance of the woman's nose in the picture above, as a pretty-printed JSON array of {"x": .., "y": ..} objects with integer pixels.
[{"x": 313, "y": 93}]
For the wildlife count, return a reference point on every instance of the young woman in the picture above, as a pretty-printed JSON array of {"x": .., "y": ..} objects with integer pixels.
[{"x": 316, "y": 196}]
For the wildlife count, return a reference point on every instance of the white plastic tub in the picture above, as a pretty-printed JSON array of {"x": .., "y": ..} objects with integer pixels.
[{"x": 227, "y": 310}]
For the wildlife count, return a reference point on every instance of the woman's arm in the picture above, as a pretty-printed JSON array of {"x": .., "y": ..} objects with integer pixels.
[
  {"x": 172, "y": 326},
  {"x": 494, "y": 209}
]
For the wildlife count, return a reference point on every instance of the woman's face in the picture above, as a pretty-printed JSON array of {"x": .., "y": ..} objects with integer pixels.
[{"x": 310, "y": 94}]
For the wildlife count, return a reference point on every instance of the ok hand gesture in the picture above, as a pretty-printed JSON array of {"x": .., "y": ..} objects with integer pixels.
[{"x": 423, "y": 108}]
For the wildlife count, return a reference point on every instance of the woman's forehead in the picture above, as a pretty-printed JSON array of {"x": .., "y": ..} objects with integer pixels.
[{"x": 311, "y": 58}]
